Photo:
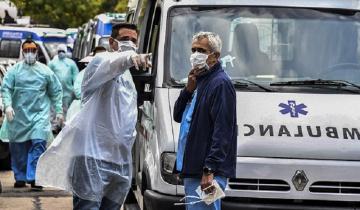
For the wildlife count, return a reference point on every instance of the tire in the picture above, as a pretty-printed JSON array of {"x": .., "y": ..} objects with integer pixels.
[
  {"x": 133, "y": 206},
  {"x": 5, "y": 163},
  {"x": 131, "y": 202}
]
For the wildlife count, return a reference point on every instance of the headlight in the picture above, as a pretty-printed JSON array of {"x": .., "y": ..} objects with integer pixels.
[{"x": 167, "y": 169}]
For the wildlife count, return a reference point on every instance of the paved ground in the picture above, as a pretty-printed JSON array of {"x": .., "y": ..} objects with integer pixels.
[{"x": 25, "y": 199}]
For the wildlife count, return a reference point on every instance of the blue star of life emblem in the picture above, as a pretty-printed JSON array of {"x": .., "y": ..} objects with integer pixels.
[{"x": 293, "y": 109}]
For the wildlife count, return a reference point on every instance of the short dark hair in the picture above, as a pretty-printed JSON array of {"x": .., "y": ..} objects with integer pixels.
[
  {"x": 28, "y": 41},
  {"x": 115, "y": 28}
]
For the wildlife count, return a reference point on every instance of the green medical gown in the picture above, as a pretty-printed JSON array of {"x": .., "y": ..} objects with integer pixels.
[
  {"x": 66, "y": 71},
  {"x": 30, "y": 90}
]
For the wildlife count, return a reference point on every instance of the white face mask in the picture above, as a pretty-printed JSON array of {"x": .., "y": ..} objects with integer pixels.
[
  {"x": 126, "y": 46},
  {"x": 30, "y": 58},
  {"x": 62, "y": 55},
  {"x": 203, "y": 197},
  {"x": 199, "y": 60}
]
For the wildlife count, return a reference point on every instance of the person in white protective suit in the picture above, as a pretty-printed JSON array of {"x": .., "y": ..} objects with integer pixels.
[{"x": 91, "y": 156}]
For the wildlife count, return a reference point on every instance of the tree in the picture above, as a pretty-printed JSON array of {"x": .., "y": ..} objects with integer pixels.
[{"x": 67, "y": 13}]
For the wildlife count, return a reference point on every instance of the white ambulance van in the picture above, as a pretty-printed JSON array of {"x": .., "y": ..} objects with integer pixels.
[{"x": 295, "y": 65}]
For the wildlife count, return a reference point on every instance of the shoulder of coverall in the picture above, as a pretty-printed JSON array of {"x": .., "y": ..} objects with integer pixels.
[{"x": 16, "y": 66}]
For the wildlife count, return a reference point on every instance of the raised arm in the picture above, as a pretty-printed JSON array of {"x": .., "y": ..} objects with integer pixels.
[{"x": 104, "y": 67}]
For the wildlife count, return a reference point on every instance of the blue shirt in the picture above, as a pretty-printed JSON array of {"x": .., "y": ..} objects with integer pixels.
[{"x": 184, "y": 130}]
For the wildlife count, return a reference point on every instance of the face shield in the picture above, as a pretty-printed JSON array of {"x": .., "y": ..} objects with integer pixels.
[{"x": 30, "y": 54}]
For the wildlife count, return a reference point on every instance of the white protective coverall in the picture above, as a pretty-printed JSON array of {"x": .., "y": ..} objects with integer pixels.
[{"x": 91, "y": 156}]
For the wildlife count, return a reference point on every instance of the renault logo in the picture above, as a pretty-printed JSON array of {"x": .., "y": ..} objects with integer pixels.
[{"x": 300, "y": 180}]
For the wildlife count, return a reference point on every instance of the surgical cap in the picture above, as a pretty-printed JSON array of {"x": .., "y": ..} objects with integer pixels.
[{"x": 61, "y": 47}]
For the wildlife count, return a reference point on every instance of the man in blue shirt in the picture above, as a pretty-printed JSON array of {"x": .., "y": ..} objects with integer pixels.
[{"x": 206, "y": 109}]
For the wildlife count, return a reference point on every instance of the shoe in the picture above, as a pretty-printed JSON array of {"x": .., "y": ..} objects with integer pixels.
[
  {"x": 19, "y": 184},
  {"x": 35, "y": 187}
]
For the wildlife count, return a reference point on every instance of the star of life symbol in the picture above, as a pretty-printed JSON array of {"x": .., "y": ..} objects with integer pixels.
[{"x": 293, "y": 109}]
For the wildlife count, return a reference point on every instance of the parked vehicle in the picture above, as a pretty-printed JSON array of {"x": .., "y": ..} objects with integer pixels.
[
  {"x": 11, "y": 39},
  {"x": 295, "y": 65},
  {"x": 71, "y": 34},
  {"x": 94, "y": 33}
]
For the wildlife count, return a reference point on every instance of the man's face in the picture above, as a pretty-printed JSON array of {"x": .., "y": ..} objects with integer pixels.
[
  {"x": 124, "y": 34},
  {"x": 203, "y": 46}
]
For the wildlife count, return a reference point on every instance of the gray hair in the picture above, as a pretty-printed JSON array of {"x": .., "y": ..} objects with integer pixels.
[{"x": 214, "y": 40}]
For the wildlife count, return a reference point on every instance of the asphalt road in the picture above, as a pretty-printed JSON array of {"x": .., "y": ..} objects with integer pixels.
[{"x": 25, "y": 199}]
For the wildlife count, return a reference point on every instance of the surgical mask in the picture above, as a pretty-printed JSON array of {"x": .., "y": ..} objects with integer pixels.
[
  {"x": 126, "y": 46},
  {"x": 199, "y": 60},
  {"x": 30, "y": 58},
  {"x": 210, "y": 198},
  {"x": 62, "y": 55}
]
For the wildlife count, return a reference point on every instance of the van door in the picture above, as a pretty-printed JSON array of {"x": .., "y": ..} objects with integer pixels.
[{"x": 144, "y": 82}]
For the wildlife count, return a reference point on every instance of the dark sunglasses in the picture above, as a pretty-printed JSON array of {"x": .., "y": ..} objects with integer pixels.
[
  {"x": 197, "y": 49},
  {"x": 127, "y": 38},
  {"x": 61, "y": 51}
]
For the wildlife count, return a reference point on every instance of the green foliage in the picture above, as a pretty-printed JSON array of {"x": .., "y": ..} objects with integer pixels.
[{"x": 67, "y": 13}]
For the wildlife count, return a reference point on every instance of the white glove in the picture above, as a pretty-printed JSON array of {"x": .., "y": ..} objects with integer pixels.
[
  {"x": 60, "y": 119},
  {"x": 10, "y": 114},
  {"x": 141, "y": 60}
]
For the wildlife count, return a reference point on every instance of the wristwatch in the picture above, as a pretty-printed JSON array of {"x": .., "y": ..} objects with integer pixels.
[{"x": 207, "y": 171}]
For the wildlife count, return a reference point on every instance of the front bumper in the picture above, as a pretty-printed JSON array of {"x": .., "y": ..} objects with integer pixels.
[
  {"x": 157, "y": 201},
  {"x": 278, "y": 204}
]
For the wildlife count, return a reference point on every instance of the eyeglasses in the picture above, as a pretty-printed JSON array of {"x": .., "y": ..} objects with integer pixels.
[
  {"x": 127, "y": 38},
  {"x": 27, "y": 50},
  {"x": 197, "y": 49},
  {"x": 61, "y": 51}
]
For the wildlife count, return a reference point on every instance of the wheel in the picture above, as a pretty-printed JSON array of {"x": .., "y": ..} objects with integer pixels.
[
  {"x": 131, "y": 202},
  {"x": 133, "y": 206},
  {"x": 5, "y": 163}
]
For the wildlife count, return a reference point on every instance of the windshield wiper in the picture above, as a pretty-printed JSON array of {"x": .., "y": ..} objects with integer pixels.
[
  {"x": 246, "y": 83},
  {"x": 317, "y": 83}
]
